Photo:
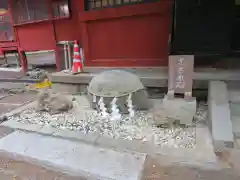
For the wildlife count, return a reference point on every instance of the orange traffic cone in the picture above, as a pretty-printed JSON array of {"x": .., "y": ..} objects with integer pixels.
[{"x": 77, "y": 63}]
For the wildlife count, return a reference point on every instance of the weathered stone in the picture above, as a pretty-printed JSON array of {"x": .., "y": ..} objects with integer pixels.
[
  {"x": 219, "y": 115},
  {"x": 177, "y": 109},
  {"x": 53, "y": 103}
]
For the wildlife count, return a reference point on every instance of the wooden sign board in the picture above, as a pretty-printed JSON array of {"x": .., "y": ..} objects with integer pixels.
[{"x": 180, "y": 75}]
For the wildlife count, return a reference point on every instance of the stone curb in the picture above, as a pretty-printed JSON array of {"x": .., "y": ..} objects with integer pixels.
[{"x": 196, "y": 156}]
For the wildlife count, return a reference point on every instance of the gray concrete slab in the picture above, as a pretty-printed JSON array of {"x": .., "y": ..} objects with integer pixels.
[
  {"x": 235, "y": 108},
  {"x": 4, "y": 108},
  {"x": 3, "y": 95},
  {"x": 66, "y": 88},
  {"x": 234, "y": 92},
  {"x": 236, "y": 126},
  {"x": 21, "y": 126},
  {"x": 219, "y": 115},
  {"x": 18, "y": 98},
  {"x": 74, "y": 157},
  {"x": 152, "y": 77},
  {"x": 5, "y": 131},
  {"x": 203, "y": 155}
]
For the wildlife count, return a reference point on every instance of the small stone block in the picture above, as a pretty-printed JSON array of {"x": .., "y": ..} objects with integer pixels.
[{"x": 179, "y": 109}]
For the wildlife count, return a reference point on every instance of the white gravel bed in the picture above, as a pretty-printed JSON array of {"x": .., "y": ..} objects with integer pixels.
[{"x": 140, "y": 128}]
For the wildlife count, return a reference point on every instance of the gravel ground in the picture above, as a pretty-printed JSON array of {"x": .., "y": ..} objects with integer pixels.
[
  {"x": 141, "y": 127},
  {"x": 12, "y": 169},
  {"x": 154, "y": 170}
]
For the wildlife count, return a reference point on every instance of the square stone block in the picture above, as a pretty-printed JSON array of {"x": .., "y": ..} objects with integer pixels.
[{"x": 177, "y": 109}]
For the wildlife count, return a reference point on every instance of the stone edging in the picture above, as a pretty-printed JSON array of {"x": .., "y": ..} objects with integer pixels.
[{"x": 198, "y": 156}]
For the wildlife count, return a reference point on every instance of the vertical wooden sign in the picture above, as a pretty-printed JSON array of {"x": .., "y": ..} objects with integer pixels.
[{"x": 180, "y": 75}]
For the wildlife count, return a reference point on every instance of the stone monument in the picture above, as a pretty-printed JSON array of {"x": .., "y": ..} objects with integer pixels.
[{"x": 177, "y": 109}]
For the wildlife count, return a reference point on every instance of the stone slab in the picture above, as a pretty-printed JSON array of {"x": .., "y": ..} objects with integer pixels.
[
  {"x": 21, "y": 108},
  {"x": 7, "y": 107},
  {"x": 152, "y": 77},
  {"x": 18, "y": 125},
  {"x": 75, "y": 158},
  {"x": 236, "y": 126},
  {"x": 5, "y": 131},
  {"x": 66, "y": 88},
  {"x": 18, "y": 98},
  {"x": 234, "y": 92},
  {"x": 235, "y": 108},
  {"x": 3, "y": 95},
  {"x": 202, "y": 155},
  {"x": 219, "y": 115}
]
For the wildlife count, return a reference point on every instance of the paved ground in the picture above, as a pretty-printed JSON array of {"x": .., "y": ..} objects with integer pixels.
[
  {"x": 9, "y": 102},
  {"x": 11, "y": 169}
]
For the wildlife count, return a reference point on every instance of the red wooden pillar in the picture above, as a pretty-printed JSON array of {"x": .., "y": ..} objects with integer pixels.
[{"x": 23, "y": 59}]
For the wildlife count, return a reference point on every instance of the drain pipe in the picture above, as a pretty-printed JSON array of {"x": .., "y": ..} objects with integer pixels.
[
  {"x": 65, "y": 56},
  {"x": 69, "y": 55}
]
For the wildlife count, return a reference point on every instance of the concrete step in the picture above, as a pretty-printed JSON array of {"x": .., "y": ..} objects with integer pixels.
[
  {"x": 150, "y": 77},
  {"x": 74, "y": 158}
]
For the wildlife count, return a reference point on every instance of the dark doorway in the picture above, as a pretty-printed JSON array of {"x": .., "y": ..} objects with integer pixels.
[
  {"x": 236, "y": 28},
  {"x": 202, "y": 27}
]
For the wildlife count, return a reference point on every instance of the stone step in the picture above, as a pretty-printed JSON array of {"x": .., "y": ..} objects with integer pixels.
[
  {"x": 220, "y": 115},
  {"x": 150, "y": 77},
  {"x": 74, "y": 158}
]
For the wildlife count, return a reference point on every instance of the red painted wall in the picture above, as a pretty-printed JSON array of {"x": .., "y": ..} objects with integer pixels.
[
  {"x": 127, "y": 36},
  {"x": 69, "y": 29},
  {"x": 43, "y": 35},
  {"x": 133, "y": 35},
  {"x": 33, "y": 37}
]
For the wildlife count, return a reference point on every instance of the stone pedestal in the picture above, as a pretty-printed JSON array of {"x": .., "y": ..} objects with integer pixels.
[{"x": 177, "y": 109}]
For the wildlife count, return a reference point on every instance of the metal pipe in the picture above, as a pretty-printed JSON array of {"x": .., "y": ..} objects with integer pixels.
[
  {"x": 69, "y": 55},
  {"x": 65, "y": 56}
]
